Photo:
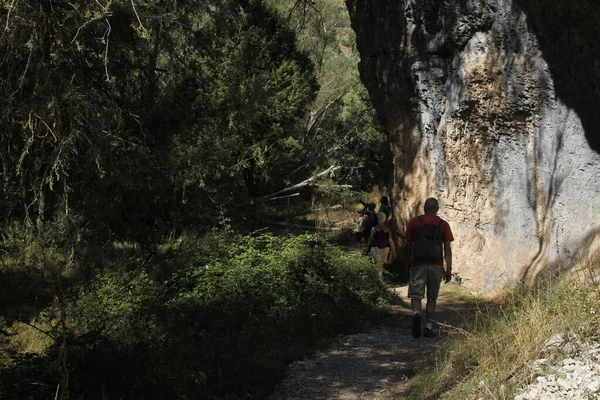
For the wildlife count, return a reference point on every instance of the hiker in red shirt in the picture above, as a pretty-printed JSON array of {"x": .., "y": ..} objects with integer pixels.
[{"x": 428, "y": 239}]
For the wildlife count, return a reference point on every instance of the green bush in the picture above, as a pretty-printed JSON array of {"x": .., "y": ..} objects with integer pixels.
[
  {"x": 222, "y": 319},
  {"x": 30, "y": 260}
]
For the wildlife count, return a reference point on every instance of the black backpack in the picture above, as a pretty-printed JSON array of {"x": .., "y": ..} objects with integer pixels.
[
  {"x": 429, "y": 242},
  {"x": 382, "y": 239},
  {"x": 372, "y": 218}
]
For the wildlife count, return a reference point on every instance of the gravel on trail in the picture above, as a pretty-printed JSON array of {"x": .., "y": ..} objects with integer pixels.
[
  {"x": 370, "y": 365},
  {"x": 376, "y": 365}
]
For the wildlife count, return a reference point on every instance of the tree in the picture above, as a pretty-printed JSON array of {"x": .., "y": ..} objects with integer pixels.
[
  {"x": 249, "y": 88},
  {"x": 142, "y": 116},
  {"x": 342, "y": 128}
]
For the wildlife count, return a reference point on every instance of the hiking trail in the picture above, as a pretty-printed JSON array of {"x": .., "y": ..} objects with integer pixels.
[{"x": 375, "y": 364}]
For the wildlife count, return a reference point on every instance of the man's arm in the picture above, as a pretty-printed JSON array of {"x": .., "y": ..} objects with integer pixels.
[{"x": 448, "y": 258}]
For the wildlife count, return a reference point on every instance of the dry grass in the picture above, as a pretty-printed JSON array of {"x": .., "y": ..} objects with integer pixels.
[
  {"x": 30, "y": 338},
  {"x": 336, "y": 214},
  {"x": 490, "y": 358}
]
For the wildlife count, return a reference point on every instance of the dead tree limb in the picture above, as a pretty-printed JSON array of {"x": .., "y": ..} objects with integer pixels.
[
  {"x": 329, "y": 171},
  {"x": 305, "y": 227}
]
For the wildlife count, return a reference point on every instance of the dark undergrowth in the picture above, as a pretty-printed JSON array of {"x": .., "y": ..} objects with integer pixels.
[{"x": 217, "y": 318}]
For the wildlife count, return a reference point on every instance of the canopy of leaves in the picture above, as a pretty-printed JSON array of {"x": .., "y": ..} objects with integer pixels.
[
  {"x": 342, "y": 128},
  {"x": 126, "y": 113}
]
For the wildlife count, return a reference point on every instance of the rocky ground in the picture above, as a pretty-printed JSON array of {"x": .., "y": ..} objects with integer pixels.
[
  {"x": 575, "y": 375},
  {"x": 375, "y": 364}
]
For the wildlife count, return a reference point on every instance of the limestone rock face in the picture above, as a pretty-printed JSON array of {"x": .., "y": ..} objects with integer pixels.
[{"x": 492, "y": 107}]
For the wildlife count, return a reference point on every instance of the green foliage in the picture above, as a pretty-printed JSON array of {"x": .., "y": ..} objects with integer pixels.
[
  {"x": 218, "y": 318},
  {"x": 122, "y": 122},
  {"x": 343, "y": 128},
  {"x": 250, "y": 88},
  {"x": 227, "y": 322},
  {"x": 143, "y": 117},
  {"x": 30, "y": 262}
]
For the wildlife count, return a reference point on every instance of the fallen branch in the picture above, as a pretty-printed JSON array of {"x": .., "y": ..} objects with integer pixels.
[
  {"x": 300, "y": 226},
  {"x": 283, "y": 197},
  {"x": 328, "y": 171},
  {"x": 334, "y": 186},
  {"x": 334, "y": 207}
]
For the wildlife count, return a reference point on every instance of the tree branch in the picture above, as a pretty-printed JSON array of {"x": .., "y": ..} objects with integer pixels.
[
  {"x": 136, "y": 14},
  {"x": 106, "y": 35},
  {"x": 322, "y": 112},
  {"x": 38, "y": 329},
  {"x": 328, "y": 171}
]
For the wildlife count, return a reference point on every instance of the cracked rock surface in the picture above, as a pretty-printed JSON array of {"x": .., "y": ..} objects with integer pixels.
[{"x": 491, "y": 106}]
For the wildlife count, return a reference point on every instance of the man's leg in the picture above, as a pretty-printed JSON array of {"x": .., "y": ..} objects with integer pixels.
[
  {"x": 429, "y": 314},
  {"x": 434, "y": 280},
  {"x": 416, "y": 321},
  {"x": 416, "y": 290},
  {"x": 430, "y": 310},
  {"x": 416, "y": 305}
]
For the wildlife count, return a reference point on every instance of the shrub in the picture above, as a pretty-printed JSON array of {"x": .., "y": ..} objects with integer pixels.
[{"x": 221, "y": 319}]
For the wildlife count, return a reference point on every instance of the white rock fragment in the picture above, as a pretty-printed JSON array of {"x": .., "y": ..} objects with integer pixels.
[{"x": 574, "y": 377}]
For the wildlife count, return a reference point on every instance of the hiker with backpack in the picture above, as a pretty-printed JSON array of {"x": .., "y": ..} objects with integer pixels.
[
  {"x": 428, "y": 239},
  {"x": 381, "y": 243},
  {"x": 366, "y": 223},
  {"x": 385, "y": 207}
]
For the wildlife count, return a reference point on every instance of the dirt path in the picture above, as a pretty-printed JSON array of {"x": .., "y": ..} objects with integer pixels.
[{"x": 375, "y": 364}]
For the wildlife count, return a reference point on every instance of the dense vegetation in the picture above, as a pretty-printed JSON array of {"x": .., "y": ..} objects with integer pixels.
[
  {"x": 219, "y": 318},
  {"x": 147, "y": 118},
  {"x": 140, "y": 142}
]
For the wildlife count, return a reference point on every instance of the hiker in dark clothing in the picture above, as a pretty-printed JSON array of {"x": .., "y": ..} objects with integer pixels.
[
  {"x": 367, "y": 221},
  {"x": 385, "y": 207},
  {"x": 381, "y": 244},
  {"x": 428, "y": 239}
]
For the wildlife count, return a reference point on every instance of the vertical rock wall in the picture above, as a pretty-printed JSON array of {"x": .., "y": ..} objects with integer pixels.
[{"x": 477, "y": 117}]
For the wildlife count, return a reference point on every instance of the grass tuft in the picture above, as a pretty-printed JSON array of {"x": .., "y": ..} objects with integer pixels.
[{"x": 490, "y": 357}]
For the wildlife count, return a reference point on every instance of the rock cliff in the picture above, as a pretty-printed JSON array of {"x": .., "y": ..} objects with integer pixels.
[{"x": 493, "y": 107}]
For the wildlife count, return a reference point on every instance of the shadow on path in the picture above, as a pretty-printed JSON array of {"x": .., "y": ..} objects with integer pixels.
[{"x": 378, "y": 363}]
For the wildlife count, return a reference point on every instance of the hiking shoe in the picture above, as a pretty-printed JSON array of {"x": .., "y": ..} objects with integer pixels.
[
  {"x": 416, "y": 326},
  {"x": 429, "y": 333}
]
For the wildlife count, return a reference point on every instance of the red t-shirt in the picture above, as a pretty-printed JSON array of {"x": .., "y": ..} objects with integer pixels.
[{"x": 430, "y": 219}]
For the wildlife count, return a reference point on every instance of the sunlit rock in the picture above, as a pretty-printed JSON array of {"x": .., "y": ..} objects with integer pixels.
[{"x": 494, "y": 108}]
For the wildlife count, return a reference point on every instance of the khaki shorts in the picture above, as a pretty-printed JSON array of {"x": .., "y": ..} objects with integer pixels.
[
  {"x": 379, "y": 256},
  {"x": 425, "y": 275}
]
